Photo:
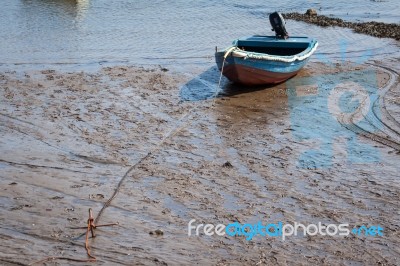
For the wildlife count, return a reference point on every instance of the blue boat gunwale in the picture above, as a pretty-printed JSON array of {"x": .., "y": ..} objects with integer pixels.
[{"x": 261, "y": 41}]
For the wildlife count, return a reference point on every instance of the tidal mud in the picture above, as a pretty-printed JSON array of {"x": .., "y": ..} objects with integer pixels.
[{"x": 272, "y": 154}]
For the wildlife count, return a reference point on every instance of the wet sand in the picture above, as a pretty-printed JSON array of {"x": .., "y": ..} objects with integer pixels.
[{"x": 68, "y": 139}]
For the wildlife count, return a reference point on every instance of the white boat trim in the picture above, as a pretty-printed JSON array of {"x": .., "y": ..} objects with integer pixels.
[{"x": 237, "y": 52}]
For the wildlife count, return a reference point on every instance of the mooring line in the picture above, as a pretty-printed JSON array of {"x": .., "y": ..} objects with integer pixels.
[
  {"x": 180, "y": 125},
  {"x": 92, "y": 223},
  {"x": 169, "y": 134},
  {"x": 220, "y": 75},
  {"x": 223, "y": 64}
]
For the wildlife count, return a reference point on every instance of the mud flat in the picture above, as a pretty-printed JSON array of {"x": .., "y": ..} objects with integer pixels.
[{"x": 68, "y": 139}]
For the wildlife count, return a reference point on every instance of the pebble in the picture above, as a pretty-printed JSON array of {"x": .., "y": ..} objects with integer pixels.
[
  {"x": 227, "y": 164},
  {"x": 157, "y": 232},
  {"x": 311, "y": 12}
]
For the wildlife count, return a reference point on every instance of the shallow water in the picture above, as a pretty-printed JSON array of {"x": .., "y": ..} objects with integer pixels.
[{"x": 181, "y": 33}]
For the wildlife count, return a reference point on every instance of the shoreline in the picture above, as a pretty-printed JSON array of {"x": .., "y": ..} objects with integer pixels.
[{"x": 372, "y": 28}]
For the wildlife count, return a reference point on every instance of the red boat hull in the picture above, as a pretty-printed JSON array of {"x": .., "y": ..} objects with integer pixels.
[{"x": 252, "y": 77}]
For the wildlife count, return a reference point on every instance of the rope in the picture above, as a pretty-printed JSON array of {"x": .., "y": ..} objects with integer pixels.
[
  {"x": 286, "y": 59},
  {"x": 220, "y": 75},
  {"x": 172, "y": 132},
  {"x": 92, "y": 223},
  {"x": 227, "y": 53}
]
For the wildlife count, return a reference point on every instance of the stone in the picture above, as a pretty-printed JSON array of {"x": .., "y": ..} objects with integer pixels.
[{"x": 311, "y": 12}]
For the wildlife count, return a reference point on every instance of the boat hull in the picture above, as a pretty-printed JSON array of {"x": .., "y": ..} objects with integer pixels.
[{"x": 251, "y": 76}]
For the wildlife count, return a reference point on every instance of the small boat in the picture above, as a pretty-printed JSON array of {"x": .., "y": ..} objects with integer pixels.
[{"x": 259, "y": 60}]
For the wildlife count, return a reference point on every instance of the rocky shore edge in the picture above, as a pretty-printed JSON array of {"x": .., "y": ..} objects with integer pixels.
[{"x": 376, "y": 29}]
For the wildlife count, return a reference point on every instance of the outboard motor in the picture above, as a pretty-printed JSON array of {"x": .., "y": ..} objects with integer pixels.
[{"x": 278, "y": 25}]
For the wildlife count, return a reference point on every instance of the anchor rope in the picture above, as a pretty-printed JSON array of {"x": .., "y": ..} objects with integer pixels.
[
  {"x": 182, "y": 123},
  {"x": 227, "y": 53}
]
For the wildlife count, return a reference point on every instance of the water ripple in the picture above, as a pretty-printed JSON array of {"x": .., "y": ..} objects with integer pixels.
[{"x": 84, "y": 31}]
